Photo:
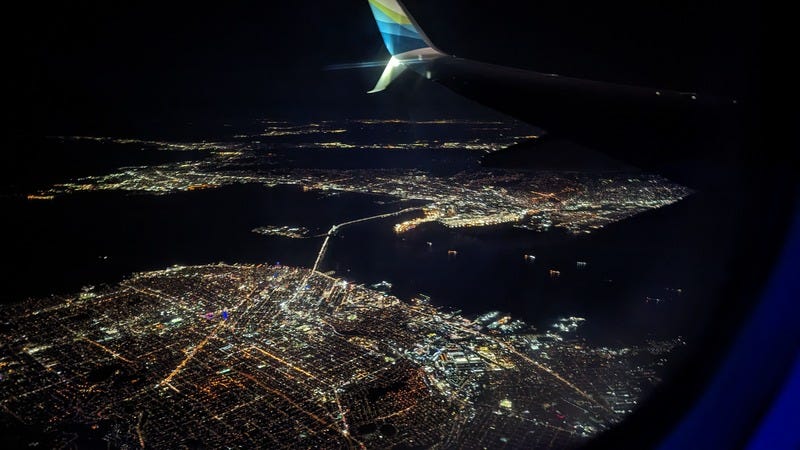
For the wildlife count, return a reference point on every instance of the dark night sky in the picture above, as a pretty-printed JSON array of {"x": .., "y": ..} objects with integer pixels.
[{"x": 90, "y": 63}]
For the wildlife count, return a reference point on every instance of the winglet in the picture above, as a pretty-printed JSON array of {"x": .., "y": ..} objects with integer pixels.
[
  {"x": 404, "y": 39},
  {"x": 399, "y": 30},
  {"x": 392, "y": 71}
]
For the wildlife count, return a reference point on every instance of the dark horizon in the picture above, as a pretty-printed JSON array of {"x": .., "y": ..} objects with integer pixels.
[{"x": 95, "y": 65}]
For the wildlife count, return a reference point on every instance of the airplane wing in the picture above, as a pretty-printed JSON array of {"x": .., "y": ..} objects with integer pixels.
[{"x": 656, "y": 129}]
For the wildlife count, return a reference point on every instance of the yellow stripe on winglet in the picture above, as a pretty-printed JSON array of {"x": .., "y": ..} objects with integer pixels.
[{"x": 398, "y": 17}]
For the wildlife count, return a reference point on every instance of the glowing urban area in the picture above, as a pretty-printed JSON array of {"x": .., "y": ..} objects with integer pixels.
[{"x": 267, "y": 355}]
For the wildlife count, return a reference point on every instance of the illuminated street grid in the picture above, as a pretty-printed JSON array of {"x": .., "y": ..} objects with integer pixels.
[
  {"x": 538, "y": 200},
  {"x": 276, "y": 357}
]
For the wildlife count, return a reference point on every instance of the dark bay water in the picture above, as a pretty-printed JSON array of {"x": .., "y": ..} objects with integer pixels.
[{"x": 93, "y": 238}]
